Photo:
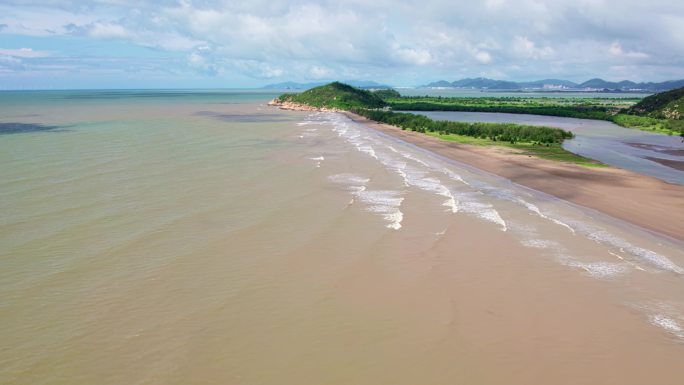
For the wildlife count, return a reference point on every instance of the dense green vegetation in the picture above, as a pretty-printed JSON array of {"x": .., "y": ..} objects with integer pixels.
[
  {"x": 335, "y": 95},
  {"x": 387, "y": 93},
  {"x": 526, "y": 101},
  {"x": 664, "y": 105},
  {"x": 589, "y": 112},
  {"x": 614, "y": 110},
  {"x": 496, "y": 132},
  {"x": 664, "y": 126}
]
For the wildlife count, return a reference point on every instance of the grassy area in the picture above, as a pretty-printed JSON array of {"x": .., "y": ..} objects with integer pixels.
[
  {"x": 552, "y": 151},
  {"x": 645, "y": 123},
  {"x": 582, "y": 108}
]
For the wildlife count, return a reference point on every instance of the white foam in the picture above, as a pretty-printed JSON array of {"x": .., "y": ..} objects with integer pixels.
[
  {"x": 318, "y": 160},
  {"x": 536, "y": 210},
  {"x": 416, "y": 178},
  {"x": 664, "y": 315},
  {"x": 668, "y": 324},
  {"x": 541, "y": 244},
  {"x": 600, "y": 269},
  {"x": 484, "y": 211},
  {"x": 356, "y": 189},
  {"x": 508, "y": 195},
  {"x": 413, "y": 158},
  {"x": 368, "y": 149},
  {"x": 628, "y": 262},
  {"x": 394, "y": 219},
  {"x": 596, "y": 269},
  {"x": 384, "y": 202},
  {"x": 348, "y": 179},
  {"x": 454, "y": 176},
  {"x": 651, "y": 257},
  {"x": 452, "y": 204},
  {"x": 381, "y": 198}
]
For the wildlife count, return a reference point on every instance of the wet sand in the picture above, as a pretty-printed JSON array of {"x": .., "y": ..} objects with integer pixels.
[
  {"x": 660, "y": 149},
  {"x": 677, "y": 165},
  {"x": 644, "y": 201}
]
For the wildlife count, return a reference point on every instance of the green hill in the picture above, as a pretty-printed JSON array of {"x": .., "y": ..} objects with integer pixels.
[
  {"x": 387, "y": 93},
  {"x": 663, "y": 105},
  {"x": 335, "y": 95}
]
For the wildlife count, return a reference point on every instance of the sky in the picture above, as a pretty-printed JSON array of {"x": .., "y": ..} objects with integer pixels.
[{"x": 62, "y": 44}]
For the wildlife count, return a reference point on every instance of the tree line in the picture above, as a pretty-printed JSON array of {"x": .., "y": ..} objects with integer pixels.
[{"x": 502, "y": 132}]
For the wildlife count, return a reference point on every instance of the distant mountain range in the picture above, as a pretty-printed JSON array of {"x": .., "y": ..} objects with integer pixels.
[
  {"x": 305, "y": 86},
  {"x": 506, "y": 85},
  {"x": 557, "y": 84}
]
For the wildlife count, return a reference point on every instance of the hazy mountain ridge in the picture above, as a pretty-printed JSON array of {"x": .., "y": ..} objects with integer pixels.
[{"x": 559, "y": 84}]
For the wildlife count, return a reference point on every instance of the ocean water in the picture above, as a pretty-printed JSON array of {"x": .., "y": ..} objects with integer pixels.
[
  {"x": 183, "y": 237},
  {"x": 635, "y": 150}
]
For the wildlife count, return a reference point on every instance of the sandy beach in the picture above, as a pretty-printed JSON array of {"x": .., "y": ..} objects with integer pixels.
[{"x": 646, "y": 202}]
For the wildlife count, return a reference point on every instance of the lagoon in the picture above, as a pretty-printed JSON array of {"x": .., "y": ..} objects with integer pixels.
[{"x": 656, "y": 155}]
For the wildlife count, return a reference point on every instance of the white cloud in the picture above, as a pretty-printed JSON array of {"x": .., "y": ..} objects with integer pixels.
[
  {"x": 383, "y": 39},
  {"x": 256, "y": 68},
  {"x": 320, "y": 72},
  {"x": 11, "y": 63},
  {"x": 494, "y": 4},
  {"x": 483, "y": 57},
  {"x": 195, "y": 59},
  {"x": 108, "y": 30},
  {"x": 525, "y": 47},
  {"x": 24, "y": 53},
  {"x": 415, "y": 56},
  {"x": 616, "y": 50}
]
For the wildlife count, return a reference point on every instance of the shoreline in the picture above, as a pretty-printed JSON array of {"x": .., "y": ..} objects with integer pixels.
[
  {"x": 640, "y": 200},
  {"x": 637, "y": 199}
]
